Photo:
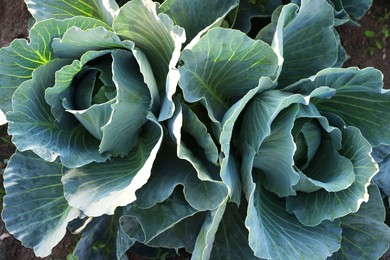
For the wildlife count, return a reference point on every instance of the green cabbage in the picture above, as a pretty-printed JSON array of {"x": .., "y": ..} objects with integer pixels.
[{"x": 155, "y": 125}]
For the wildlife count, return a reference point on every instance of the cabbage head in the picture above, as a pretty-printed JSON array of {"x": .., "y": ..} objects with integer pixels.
[{"x": 162, "y": 127}]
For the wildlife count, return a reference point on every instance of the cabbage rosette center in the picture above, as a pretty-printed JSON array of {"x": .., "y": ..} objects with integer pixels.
[
  {"x": 302, "y": 166},
  {"x": 92, "y": 108}
]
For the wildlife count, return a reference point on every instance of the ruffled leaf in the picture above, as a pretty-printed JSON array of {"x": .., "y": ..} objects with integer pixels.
[
  {"x": 33, "y": 127},
  {"x": 196, "y": 15},
  {"x": 103, "y": 238},
  {"x": 21, "y": 58},
  {"x": 99, "y": 188},
  {"x": 160, "y": 40},
  {"x": 104, "y": 10},
  {"x": 312, "y": 208},
  {"x": 365, "y": 236},
  {"x": 229, "y": 165},
  {"x": 138, "y": 224},
  {"x": 231, "y": 239},
  {"x": 249, "y": 9},
  {"x": 276, "y": 234},
  {"x": 211, "y": 74},
  {"x": 304, "y": 40},
  {"x": 359, "y": 100},
  {"x": 41, "y": 222}
]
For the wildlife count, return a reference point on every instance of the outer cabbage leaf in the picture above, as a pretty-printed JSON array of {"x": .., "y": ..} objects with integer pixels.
[
  {"x": 21, "y": 58},
  {"x": 231, "y": 239},
  {"x": 159, "y": 39},
  {"x": 213, "y": 69},
  {"x": 182, "y": 235},
  {"x": 365, "y": 236},
  {"x": 305, "y": 41},
  {"x": 382, "y": 179},
  {"x": 200, "y": 191},
  {"x": 99, "y": 188},
  {"x": 349, "y": 10},
  {"x": 223, "y": 234},
  {"x": 198, "y": 130},
  {"x": 276, "y": 234},
  {"x": 196, "y": 15},
  {"x": 104, "y": 10},
  {"x": 206, "y": 172},
  {"x": 138, "y": 225},
  {"x": 103, "y": 238},
  {"x": 40, "y": 223},
  {"x": 229, "y": 165},
  {"x": 249, "y": 9},
  {"x": 205, "y": 239}
]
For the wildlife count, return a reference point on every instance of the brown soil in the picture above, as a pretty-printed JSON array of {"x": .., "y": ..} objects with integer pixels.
[
  {"x": 14, "y": 20},
  {"x": 362, "y": 49}
]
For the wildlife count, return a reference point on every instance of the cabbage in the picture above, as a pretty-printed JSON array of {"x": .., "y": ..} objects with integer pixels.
[{"x": 155, "y": 125}]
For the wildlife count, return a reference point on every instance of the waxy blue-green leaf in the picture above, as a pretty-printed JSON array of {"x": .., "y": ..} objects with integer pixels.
[
  {"x": 182, "y": 235},
  {"x": 33, "y": 127},
  {"x": 196, "y": 15},
  {"x": 104, "y": 10},
  {"x": 342, "y": 56},
  {"x": 21, "y": 58},
  {"x": 183, "y": 166},
  {"x": 249, "y": 9},
  {"x": 349, "y": 11},
  {"x": 305, "y": 39},
  {"x": 332, "y": 177},
  {"x": 40, "y": 223},
  {"x": 138, "y": 224},
  {"x": 205, "y": 240},
  {"x": 255, "y": 128},
  {"x": 194, "y": 126},
  {"x": 313, "y": 208},
  {"x": 276, "y": 234},
  {"x": 103, "y": 238},
  {"x": 317, "y": 172},
  {"x": 64, "y": 101},
  {"x": 160, "y": 40},
  {"x": 278, "y": 149},
  {"x": 206, "y": 171},
  {"x": 213, "y": 70},
  {"x": 229, "y": 166},
  {"x": 365, "y": 236},
  {"x": 231, "y": 239},
  {"x": 382, "y": 178},
  {"x": 99, "y": 188},
  {"x": 359, "y": 100},
  {"x": 120, "y": 134},
  {"x": 200, "y": 194},
  {"x": 77, "y": 41}
]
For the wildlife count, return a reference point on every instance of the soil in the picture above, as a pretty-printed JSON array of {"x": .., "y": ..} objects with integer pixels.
[{"x": 364, "y": 52}]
